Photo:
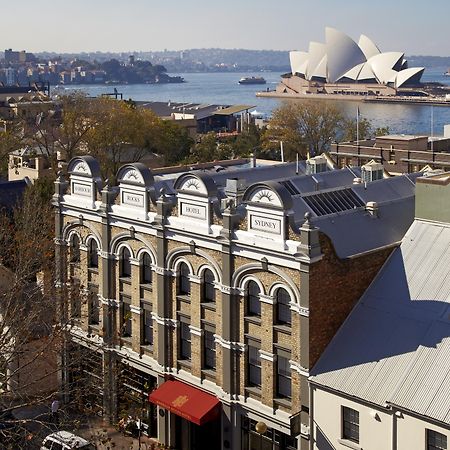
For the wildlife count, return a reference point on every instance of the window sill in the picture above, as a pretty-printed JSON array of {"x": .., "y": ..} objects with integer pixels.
[
  {"x": 126, "y": 341},
  {"x": 125, "y": 280},
  {"x": 147, "y": 348},
  {"x": 185, "y": 363},
  {"x": 284, "y": 402},
  {"x": 253, "y": 390},
  {"x": 209, "y": 373},
  {"x": 208, "y": 305},
  {"x": 93, "y": 269},
  {"x": 253, "y": 319},
  {"x": 184, "y": 298},
  {"x": 349, "y": 444},
  {"x": 283, "y": 328},
  {"x": 147, "y": 286}
]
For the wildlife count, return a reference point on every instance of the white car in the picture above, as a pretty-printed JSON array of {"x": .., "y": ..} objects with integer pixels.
[{"x": 63, "y": 440}]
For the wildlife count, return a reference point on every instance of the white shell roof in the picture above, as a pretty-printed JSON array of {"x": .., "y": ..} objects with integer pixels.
[
  {"x": 299, "y": 61},
  {"x": 368, "y": 47},
  {"x": 343, "y": 54},
  {"x": 341, "y": 57},
  {"x": 316, "y": 53}
]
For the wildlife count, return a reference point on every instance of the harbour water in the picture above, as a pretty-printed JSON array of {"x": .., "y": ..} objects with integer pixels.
[{"x": 223, "y": 88}]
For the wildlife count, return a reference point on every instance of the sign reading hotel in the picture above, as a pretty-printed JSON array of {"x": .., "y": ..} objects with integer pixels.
[
  {"x": 132, "y": 199},
  {"x": 266, "y": 224},
  {"x": 194, "y": 211},
  {"x": 84, "y": 190}
]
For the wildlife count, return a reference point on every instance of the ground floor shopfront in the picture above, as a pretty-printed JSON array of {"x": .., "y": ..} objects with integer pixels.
[{"x": 171, "y": 410}]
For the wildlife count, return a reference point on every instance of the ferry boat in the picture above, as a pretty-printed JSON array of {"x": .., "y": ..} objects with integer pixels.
[{"x": 252, "y": 80}]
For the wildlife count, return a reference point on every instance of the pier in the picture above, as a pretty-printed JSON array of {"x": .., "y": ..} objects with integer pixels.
[{"x": 434, "y": 101}]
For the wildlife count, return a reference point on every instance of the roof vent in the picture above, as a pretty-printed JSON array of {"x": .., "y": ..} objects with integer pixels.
[
  {"x": 357, "y": 180},
  {"x": 372, "y": 208}
]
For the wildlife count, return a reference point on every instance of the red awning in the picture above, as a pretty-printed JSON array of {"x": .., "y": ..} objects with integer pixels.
[{"x": 186, "y": 401}]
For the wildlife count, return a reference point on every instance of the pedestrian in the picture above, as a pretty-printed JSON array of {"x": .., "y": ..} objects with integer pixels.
[{"x": 55, "y": 412}]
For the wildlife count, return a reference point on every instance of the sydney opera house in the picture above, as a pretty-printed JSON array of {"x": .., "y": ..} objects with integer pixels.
[{"x": 342, "y": 66}]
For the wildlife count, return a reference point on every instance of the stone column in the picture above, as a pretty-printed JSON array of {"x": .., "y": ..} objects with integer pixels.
[
  {"x": 230, "y": 325},
  {"x": 311, "y": 252},
  {"x": 162, "y": 309},
  {"x": 61, "y": 280},
  {"x": 109, "y": 307}
]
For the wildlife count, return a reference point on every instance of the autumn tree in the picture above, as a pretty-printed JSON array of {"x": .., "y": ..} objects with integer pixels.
[{"x": 306, "y": 127}]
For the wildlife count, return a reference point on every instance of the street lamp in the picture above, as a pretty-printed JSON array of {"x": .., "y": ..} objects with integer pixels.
[{"x": 260, "y": 428}]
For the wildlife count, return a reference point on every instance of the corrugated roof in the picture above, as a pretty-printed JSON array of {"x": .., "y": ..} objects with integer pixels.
[{"x": 395, "y": 345}]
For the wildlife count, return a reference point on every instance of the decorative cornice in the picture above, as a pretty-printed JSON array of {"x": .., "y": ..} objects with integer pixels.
[
  {"x": 109, "y": 301},
  {"x": 267, "y": 356},
  {"x": 269, "y": 299},
  {"x": 164, "y": 321},
  {"x": 195, "y": 279},
  {"x": 300, "y": 309},
  {"x": 135, "y": 309},
  {"x": 163, "y": 271},
  {"x": 134, "y": 262},
  {"x": 106, "y": 255},
  {"x": 195, "y": 330},
  {"x": 294, "y": 365},
  {"x": 83, "y": 247},
  {"x": 236, "y": 346}
]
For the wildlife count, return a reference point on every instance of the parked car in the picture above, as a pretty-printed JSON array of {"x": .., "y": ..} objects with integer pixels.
[{"x": 64, "y": 440}]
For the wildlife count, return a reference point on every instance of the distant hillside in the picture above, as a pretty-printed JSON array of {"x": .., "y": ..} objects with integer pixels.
[
  {"x": 428, "y": 61},
  {"x": 219, "y": 59}
]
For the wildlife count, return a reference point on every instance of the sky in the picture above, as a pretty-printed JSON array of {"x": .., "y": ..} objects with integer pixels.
[{"x": 411, "y": 26}]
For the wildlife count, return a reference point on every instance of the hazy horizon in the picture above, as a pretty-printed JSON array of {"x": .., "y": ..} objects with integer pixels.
[{"x": 110, "y": 26}]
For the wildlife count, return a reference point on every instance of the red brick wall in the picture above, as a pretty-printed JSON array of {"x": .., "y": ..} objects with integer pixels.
[{"x": 335, "y": 287}]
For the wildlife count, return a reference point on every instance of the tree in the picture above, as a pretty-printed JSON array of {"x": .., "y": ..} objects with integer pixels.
[
  {"x": 352, "y": 131},
  {"x": 306, "y": 127},
  {"x": 32, "y": 335}
]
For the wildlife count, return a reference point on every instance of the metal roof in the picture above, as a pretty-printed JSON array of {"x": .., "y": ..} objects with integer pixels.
[
  {"x": 233, "y": 110},
  {"x": 395, "y": 345}
]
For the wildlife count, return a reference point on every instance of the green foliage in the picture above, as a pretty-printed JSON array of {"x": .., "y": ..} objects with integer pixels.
[
  {"x": 382, "y": 131},
  {"x": 305, "y": 127},
  {"x": 350, "y": 129},
  {"x": 211, "y": 148}
]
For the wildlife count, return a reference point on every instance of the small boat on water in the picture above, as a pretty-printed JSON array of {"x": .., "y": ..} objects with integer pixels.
[
  {"x": 447, "y": 74},
  {"x": 252, "y": 80}
]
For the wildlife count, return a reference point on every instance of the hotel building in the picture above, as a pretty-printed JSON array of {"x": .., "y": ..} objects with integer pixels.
[{"x": 199, "y": 298}]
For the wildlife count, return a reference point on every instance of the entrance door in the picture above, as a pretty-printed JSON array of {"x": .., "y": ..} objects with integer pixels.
[{"x": 190, "y": 436}]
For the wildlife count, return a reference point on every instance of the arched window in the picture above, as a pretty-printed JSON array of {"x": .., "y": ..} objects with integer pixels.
[
  {"x": 253, "y": 303},
  {"x": 75, "y": 249},
  {"x": 125, "y": 265},
  {"x": 209, "y": 294},
  {"x": 146, "y": 269},
  {"x": 184, "y": 286},
  {"x": 283, "y": 312},
  {"x": 93, "y": 253}
]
